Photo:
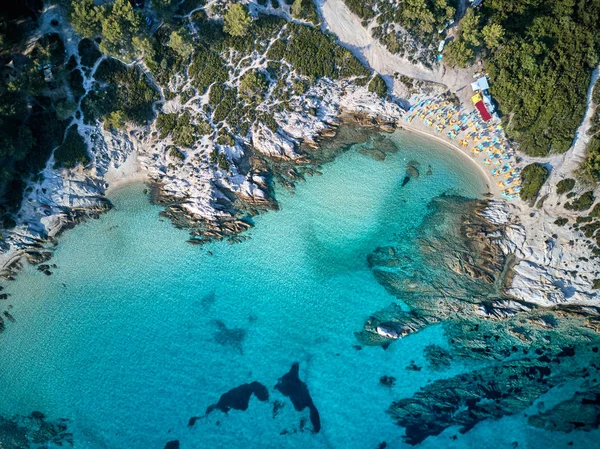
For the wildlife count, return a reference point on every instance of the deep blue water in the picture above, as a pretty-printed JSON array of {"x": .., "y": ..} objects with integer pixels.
[{"x": 136, "y": 331}]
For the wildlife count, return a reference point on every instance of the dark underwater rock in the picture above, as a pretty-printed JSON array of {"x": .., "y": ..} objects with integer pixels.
[
  {"x": 438, "y": 357},
  {"x": 388, "y": 381},
  {"x": 238, "y": 398},
  {"x": 172, "y": 444},
  {"x": 229, "y": 336},
  {"x": 292, "y": 387},
  {"x": 34, "y": 431},
  {"x": 580, "y": 412},
  {"x": 373, "y": 153},
  {"x": 208, "y": 301}
]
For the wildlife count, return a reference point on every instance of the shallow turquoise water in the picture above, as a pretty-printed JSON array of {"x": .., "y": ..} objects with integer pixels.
[{"x": 122, "y": 339}]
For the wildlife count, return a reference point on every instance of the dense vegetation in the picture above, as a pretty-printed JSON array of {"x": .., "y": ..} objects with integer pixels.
[
  {"x": 73, "y": 150},
  {"x": 117, "y": 23},
  {"x": 533, "y": 178},
  {"x": 40, "y": 96},
  {"x": 122, "y": 95},
  {"x": 316, "y": 55},
  {"x": 33, "y": 99},
  {"x": 539, "y": 55},
  {"x": 590, "y": 168},
  {"x": 304, "y": 10},
  {"x": 584, "y": 202}
]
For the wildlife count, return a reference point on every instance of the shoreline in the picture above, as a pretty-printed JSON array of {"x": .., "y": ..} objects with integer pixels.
[
  {"x": 488, "y": 181},
  {"x": 129, "y": 172}
]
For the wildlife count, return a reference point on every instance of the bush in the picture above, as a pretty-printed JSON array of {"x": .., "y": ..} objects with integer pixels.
[
  {"x": 316, "y": 55},
  {"x": 207, "y": 68},
  {"x": 73, "y": 150},
  {"x": 277, "y": 50},
  {"x": 584, "y": 202},
  {"x": 378, "y": 86},
  {"x": 165, "y": 124},
  {"x": 533, "y": 178},
  {"x": 565, "y": 185},
  {"x": 128, "y": 92},
  {"x": 595, "y": 211},
  {"x": 305, "y": 10},
  {"x": 237, "y": 20},
  {"x": 75, "y": 80},
  {"x": 253, "y": 85},
  {"x": 176, "y": 154},
  {"x": 540, "y": 74},
  {"x": 88, "y": 51}
]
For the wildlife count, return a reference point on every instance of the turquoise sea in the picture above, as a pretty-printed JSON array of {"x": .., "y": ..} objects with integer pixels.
[{"x": 137, "y": 331}]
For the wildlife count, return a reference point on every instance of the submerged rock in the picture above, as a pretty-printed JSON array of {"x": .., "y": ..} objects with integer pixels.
[
  {"x": 438, "y": 357},
  {"x": 469, "y": 398},
  {"x": 233, "y": 337},
  {"x": 172, "y": 445},
  {"x": 292, "y": 387},
  {"x": 580, "y": 412},
  {"x": 238, "y": 398},
  {"x": 388, "y": 381},
  {"x": 34, "y": 431}
]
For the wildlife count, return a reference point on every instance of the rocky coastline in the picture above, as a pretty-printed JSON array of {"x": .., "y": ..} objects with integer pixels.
[{"x": 211, "y": 204}]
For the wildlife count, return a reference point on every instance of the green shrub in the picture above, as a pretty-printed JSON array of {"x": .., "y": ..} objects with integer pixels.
[
  {"x": 88, "y": 51},
  {"x": 561, "y": 221},
  {"x": 75, "y": 80},
  {"x": 127, "y": 91},
  {"x": 316, "y": 55},
  {"x": 237, "y": 20},
  {"x": 305, "y": 10},
  {"x": 73, "y": 150},
  {"x": 541, "y": 72},
  {"x": 595, "y": 211},
  {"x": 277, "y": 50},
  {"x": 565, "y": 185},
  {"x": 165, "y": 124},
  {"x": 378, "y": 85},
  {"x": 175, "y": 153},
  {"x": 533, "y": 178},
  {"x": 253, "y": 85},
  {"x": 207, "y": 68},
  {"x": 226, "y": 105},
  {"x": 584, "y": 202}
]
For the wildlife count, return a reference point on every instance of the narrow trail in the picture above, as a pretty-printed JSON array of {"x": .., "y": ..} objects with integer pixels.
[{"x": 338, "y": 19}]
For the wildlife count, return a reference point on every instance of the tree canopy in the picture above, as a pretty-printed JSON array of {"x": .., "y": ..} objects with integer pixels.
[
  {"x": 539, "y": 55},
  {"x": 237, "y": 20}
]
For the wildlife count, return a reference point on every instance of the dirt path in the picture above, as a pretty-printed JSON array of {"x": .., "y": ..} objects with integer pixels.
[{"x": 338, "y": 19}]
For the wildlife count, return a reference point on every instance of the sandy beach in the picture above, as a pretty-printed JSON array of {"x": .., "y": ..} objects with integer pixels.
[{"x": 129, "y": 172}]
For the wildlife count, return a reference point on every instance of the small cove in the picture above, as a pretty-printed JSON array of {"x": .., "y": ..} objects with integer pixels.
[{"x": 136, "y": 331}]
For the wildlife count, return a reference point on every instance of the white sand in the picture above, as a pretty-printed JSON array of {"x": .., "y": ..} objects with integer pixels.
[{"x": 128, "y": 172}]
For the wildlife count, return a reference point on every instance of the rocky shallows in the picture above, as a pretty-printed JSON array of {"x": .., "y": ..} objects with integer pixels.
[
  {"x": 460, "y": 279},
  {"x": 33, "y": 431}
]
